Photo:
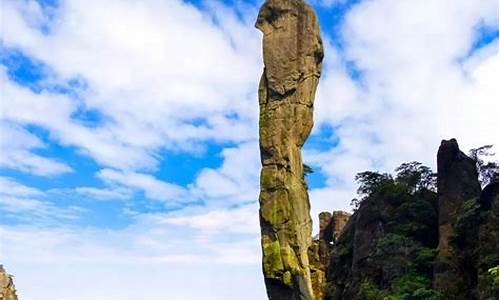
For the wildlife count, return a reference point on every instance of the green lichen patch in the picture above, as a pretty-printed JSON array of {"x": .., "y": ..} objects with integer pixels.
[{"x": 272, "y": 262}]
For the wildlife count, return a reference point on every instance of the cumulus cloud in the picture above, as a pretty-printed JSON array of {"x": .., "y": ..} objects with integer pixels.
[
  {"x": 153, "y": 188},
  {"x": 161, "y": 76},
  {"x": 104, "y": 193},
  {"x": 53, "y": 112},
  {"x": 26, "y": 204},
  {"x": 418, "y": 80},
  {"x": 240, "y": 220},
  {"x": 329, "y": 3},
  {"x": 148, "y": 81},
  {"x": 12, "y": 188},
  {"x": 15, "y": 152},
  {"x": 154, "y": 251},
  {"x": 235, "y": 182}
]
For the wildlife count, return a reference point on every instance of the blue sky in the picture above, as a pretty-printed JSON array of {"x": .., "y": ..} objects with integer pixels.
[
  {"x": 129, "y": 130},
  {"x": 177, "y": 167}
]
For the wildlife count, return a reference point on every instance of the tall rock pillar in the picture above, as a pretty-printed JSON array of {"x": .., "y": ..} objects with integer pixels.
[
  {"x": 293, "y": 53},
  {"x": 458, "y": 191}
]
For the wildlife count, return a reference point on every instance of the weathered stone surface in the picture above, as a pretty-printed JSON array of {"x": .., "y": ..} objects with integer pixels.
[
  {"x": 339, "y": 220},
  {"x": 339, "y": 269},
  {"x": 369, "y": 228},
  {"x": 458, "y": 190},
  {"x": 292, "y": 57},
  {"x": 7, "y": 288},
  {"x": 383, "y": 217},
  {"x": 330, "y": 226},
  {"x": 325, "y": 238},
  {"x": 317, "y": 251},
  {"x": 318, "y": 269},
  {"x": 325, "y": 219},
  {"x": 356, "y": 258}
]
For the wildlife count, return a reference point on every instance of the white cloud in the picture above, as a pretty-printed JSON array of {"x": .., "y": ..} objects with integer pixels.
[
  {"x": 104, "y": 193},
  {"x": 153, "y": 188},
  {"x": 235, "y": 182},
  {"x": 10, "y": 187},
  {"x": 53, "y": 112},
  {"x": 153, "y": 250},
  {"x": 241, "y": 220},
  {"x": 151, "y": 68},
  {"x": 418, "y": 85},
  {"x": 27, "y": 204},
  {"x": 329, "y": 3},
  {"x": 15, "y": 146}
]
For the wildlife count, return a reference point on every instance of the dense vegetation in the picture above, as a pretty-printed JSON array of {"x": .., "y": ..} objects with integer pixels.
[
  {"x": 404, "y": 255},
  {"x": 395, "y": 231}
]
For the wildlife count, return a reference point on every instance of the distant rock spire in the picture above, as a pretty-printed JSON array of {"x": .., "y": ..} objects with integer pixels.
[
  {"x": 458, "y": 187},
  {"x": 293, "y": 53},
  {"x": 330, "y": 227},
  {"x": 7, "y": 288}
]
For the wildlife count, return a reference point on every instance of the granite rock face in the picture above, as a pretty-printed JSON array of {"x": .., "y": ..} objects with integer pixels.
[
  {"x": 458, "y": 189},
  {"x": 325, "y": 237},
  {"x": 336, "y": 225},
  {"x": 354, "y": 247},
  {"x": 330, "y": 227},
  {"x": 293, "y": 53},
  {"x": 317, "y": 269},
  {"x": 7, "y": 288}
]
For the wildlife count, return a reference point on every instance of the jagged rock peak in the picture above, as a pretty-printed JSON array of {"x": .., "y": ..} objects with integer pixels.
[
  {"x": 458, "y": 188},
  {"x": 325, "y": 219},
  {"x": 339, "y": 220},
  {"x": 331, "y": 224},
  {"x": 292, "y": 57},
  {"x": 449, "y": 152},
  {"x": 7, "y": 288},
  {"x": 292, "y": 45},
  {"x": 330, "y": 227}
]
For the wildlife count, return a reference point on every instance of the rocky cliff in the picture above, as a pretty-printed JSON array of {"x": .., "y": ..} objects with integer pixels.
[
  {"x": 7, "y": 289},
  {"x": 293, "y": 53},
  {"x": 414, "y": 238}
]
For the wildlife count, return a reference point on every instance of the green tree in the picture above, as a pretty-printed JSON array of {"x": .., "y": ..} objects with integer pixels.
[
  {"x": 370, "y": 291},
  {"x": 370, "y": 182},
  {"x": 414, "y": 286},
  {"x": 403, "y": 257},
  {"x": 416, "y": 176},
  {"x": 488, "y": 170}
]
